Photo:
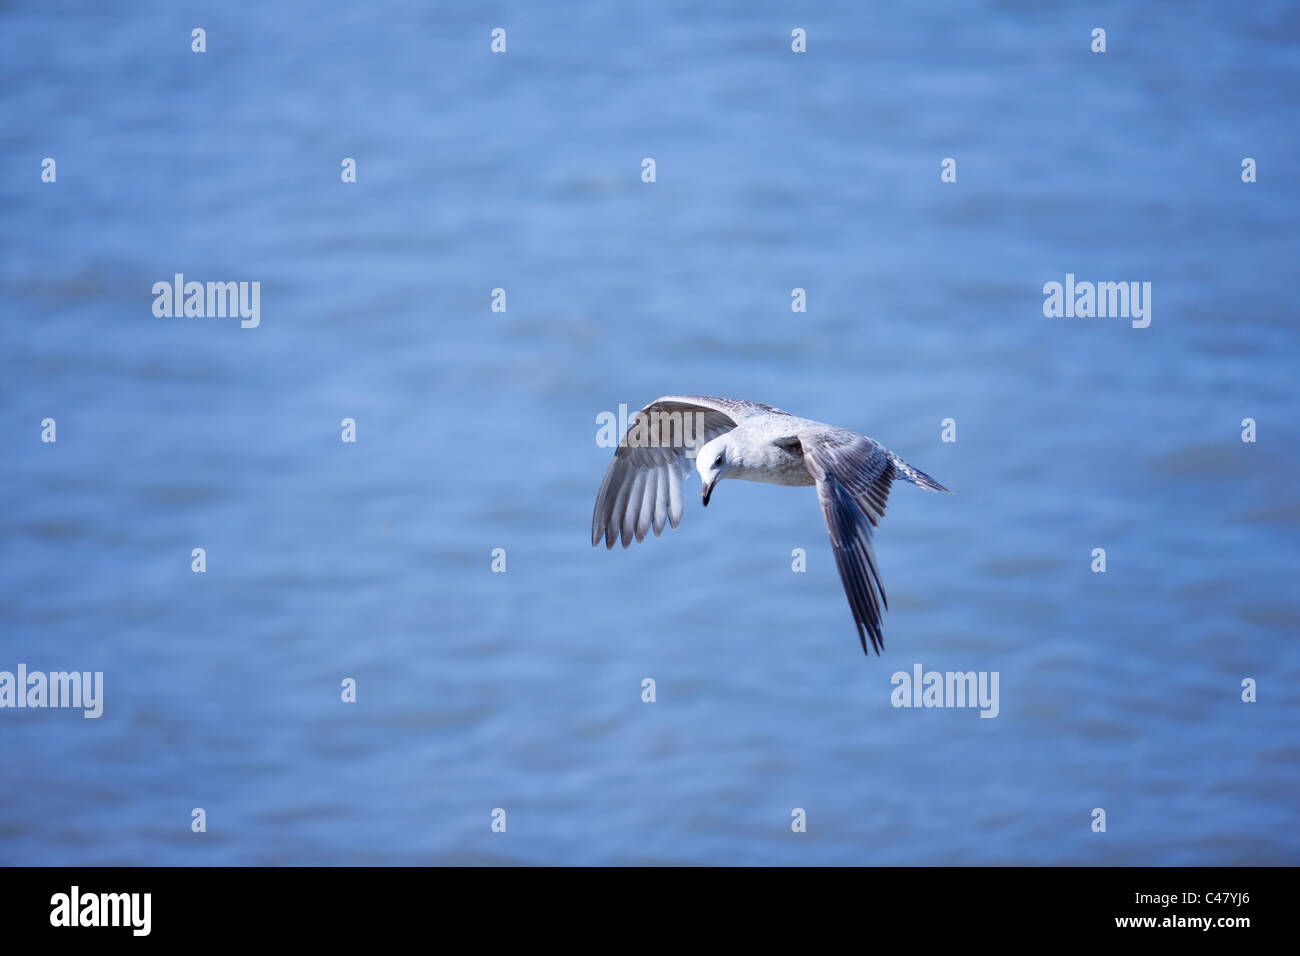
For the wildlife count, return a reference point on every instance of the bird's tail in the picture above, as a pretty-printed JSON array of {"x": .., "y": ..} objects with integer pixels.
[{"x": 915, "y": 475}]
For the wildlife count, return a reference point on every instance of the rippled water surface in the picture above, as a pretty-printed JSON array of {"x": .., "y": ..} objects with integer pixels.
[{"x": 476, "y": 430}]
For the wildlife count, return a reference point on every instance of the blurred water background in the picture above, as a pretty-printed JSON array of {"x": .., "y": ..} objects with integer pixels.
[{"x": 476, "y": 430}]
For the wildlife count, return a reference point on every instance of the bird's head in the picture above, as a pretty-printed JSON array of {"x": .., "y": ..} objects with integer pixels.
[{"x": 712, "y": 462}]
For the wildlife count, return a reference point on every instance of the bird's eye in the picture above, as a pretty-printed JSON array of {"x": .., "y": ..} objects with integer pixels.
[{"x": 719, "y": 460}]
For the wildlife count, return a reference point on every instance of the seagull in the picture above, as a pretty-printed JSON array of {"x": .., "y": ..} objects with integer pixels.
[{"x": 732, "y": 438}]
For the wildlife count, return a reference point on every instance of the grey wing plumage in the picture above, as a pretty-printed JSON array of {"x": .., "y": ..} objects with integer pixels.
[
  {"x": 736, "y": 408},
  {"x": 853, "y": 475},
  {"x": 642, "y": 488}
]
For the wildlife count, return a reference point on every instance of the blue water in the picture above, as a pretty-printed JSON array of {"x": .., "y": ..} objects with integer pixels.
[{"x": 477, "y": 430}]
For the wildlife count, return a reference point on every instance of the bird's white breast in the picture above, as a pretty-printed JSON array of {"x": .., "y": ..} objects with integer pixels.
[{"x": 772, "y": 465}]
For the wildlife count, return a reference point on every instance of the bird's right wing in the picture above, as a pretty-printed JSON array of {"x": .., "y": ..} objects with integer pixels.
[
  {"x": 853, "y": 474},
  {"x": 643, "y": 484}
]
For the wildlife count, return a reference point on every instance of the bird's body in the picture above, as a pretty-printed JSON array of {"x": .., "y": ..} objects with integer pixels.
[
  {"x": 732, "y": 438},
  {"x": 755, "y": 456}
]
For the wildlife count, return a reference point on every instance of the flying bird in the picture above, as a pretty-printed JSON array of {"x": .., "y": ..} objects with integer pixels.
[{"x": 732, "y": 438}]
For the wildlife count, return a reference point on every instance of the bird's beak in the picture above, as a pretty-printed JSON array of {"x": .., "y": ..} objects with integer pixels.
[{"x": 707, "y": 491}]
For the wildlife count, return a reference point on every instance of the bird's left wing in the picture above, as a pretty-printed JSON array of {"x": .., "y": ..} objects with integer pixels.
[
  {"x": 643, "y": 484},
  {"x": 853, "y": 474}
]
